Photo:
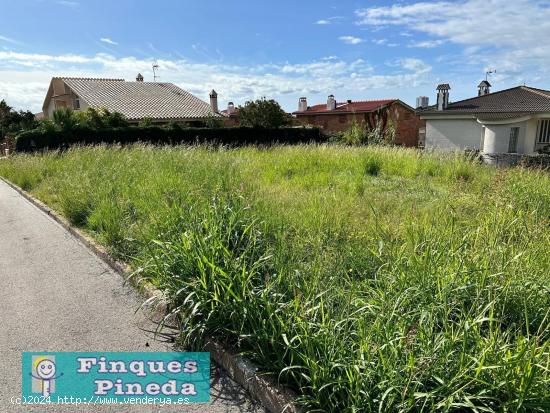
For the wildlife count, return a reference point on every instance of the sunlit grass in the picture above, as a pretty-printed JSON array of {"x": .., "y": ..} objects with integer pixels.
[{"x": 370, "y": 279}]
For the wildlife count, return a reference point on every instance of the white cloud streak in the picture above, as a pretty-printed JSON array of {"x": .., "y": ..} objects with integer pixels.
[
  {"x": 9, "y": 40},
  {"x": 351, "y": 40},
  {"x": 108, "y": 41},
  {"x": 68, "y": 3}
]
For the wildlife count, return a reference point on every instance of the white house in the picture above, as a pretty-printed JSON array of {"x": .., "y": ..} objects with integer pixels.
[
  {"x": 514, "y": 120},
  {"x": 160, "y": 102}
]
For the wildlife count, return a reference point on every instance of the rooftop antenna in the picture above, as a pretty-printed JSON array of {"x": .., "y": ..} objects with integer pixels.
[
  {"x": 489, "y": 72},
  {"x": 155, "y": 68}
]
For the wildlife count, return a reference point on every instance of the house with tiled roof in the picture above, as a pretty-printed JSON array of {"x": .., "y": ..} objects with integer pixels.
[
  {"x": 515, "y": 120},
  {"x": 160, "y": 102},
  {"x": 336, "y": 116}
]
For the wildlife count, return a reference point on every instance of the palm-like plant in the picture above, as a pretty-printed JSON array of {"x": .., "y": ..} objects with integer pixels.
[{"x": 64, "y": 119}]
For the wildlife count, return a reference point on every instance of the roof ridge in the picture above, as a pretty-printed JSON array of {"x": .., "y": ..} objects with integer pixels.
[
  {"x": 370, "y": 100},
  {"x": 490, "y": 94},
  {"x": 540, "y": 92},
  {"x": 89, "y": 78}
]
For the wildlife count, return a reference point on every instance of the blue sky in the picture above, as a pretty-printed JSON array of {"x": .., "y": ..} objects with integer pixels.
[{"x": 283, "y": 50}]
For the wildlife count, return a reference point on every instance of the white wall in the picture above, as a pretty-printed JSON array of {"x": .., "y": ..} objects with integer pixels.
[
  {"x": 453, "y": 134},
  {"x": 497, "y": 138}
]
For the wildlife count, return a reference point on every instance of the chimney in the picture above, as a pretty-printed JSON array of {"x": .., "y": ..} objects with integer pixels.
[
  {"x": 214, "y": 101},
  {"x": 349, "y": 101},
  {"x": 443, "y": 96},
  {"x": 331, "y": 103},
  {"x": 484, "y": 88},
  {"x": 230, "y": 108},
  {"x": 422, "y": 102},
  {"x": 302, "y": 105},
  {"x": 139, "y": 77}
]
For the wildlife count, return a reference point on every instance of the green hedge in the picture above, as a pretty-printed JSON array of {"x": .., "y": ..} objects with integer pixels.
[{"x": 39, "y": 140}]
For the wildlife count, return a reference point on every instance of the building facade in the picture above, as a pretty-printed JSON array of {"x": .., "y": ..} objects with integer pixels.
[
  {"x": 338, "y": 117},
  {"x": 515, "y": 120}
]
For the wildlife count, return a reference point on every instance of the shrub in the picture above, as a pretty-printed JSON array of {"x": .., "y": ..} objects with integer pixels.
[
  {"x": 356, "y": 134},
  {"x": 145, "y": 123},
  {"x": 52, "y": 139}
]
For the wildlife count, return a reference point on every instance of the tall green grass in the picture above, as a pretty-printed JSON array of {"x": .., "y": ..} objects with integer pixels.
[{"x": 369, "y": 279}]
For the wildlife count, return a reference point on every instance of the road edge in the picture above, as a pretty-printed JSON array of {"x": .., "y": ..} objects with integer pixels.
[{"x": 274, "y": 397}]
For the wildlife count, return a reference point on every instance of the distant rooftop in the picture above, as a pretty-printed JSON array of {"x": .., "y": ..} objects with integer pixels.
[
  {"x": 139, "y": 100},
  {"x": 348, "y": 107},
  {"x": 517, "y": 101}
]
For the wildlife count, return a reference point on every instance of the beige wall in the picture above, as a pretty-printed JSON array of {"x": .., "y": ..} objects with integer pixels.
[{"x": 62, "y": 95}]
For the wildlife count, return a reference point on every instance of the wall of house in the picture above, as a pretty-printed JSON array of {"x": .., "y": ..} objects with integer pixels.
[
  {"x": 497, "y": 138},
  {"x": 338, "y": 122},
  {"x": 453, "y": 134},
  {"x": 408, "y": 125},
  {"x": 62, "y": 95},
  {"x": 405, "y": 120}
]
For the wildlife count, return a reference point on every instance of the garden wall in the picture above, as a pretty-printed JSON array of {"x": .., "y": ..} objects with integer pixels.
[{"x": 512, "y": 159}]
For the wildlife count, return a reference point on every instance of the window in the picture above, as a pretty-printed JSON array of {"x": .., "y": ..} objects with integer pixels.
[
  {"x": 543, "y": 131},
  {"x": 60, "y": 104},
  {"x": 513, "y": 143},
  {"x": 77, "y": 103}
]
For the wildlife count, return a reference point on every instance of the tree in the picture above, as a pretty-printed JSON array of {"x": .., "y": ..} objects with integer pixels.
[
  {"x": 12, "y": 122},
  {"x": 263, "y": 113}
]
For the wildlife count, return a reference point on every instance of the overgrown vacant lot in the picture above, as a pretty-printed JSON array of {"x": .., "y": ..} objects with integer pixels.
[{"x": 370, "y": 279}]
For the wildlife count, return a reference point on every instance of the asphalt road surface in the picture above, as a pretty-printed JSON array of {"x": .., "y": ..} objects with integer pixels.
[{"x": 55, "y": 295}]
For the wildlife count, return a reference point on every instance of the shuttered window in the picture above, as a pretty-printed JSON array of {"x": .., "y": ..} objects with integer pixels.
[
  {"x": 543, "y": 131},
  {"x": 513, "y": 142}
]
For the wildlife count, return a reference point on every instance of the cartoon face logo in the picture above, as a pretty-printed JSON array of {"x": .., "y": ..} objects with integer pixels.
[
  {"x": 45, "y": 369},
  {"x": 44, "y": 374}
]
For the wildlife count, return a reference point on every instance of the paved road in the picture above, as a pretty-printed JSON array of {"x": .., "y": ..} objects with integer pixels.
[{"x": 55, "y": 295}]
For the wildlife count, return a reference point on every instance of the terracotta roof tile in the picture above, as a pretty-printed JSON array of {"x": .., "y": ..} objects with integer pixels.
[{"x": 346, "y": 107}]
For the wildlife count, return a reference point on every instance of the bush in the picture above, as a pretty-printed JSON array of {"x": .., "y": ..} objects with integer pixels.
[
  {"x": 356, "y": 134},
  {"x": 263, "y": 113},
  {"x": 52, "y": 139}
]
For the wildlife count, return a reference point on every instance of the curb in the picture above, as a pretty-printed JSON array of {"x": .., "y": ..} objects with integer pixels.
[{"x": 265, "y": 389}]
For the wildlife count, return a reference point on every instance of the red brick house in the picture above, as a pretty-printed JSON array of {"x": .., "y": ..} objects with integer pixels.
[{"x": 338, "y": 117}]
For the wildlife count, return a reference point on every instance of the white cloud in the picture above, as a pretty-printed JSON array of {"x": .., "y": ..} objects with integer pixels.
[
  {"x": 350, "y": 39},
  {"x": 24, "y": 77},
  {"x": 427, "y": 44},
  {"x": 108, "y": 41},
  {"x": 488, "y": 22},
  {"x": 68, "y": 3},
  {"x": 510, "y": 35},
  {"x": 330, "y": 20},
  {"x": 9, "y": 40},
  {"x": 414, "y": 65}
]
